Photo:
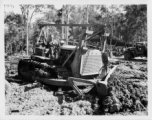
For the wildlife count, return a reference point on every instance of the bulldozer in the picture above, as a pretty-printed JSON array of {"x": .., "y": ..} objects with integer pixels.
[
  {"x": 138, "y": 50},
  {"x": 69, "y": 65}
]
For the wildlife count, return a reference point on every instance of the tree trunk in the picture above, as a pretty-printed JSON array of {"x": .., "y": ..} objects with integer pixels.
[
  {"x": 63, "y": 22},
  {"x": 86, "y": 22},
  {"x": 27, "y": 38},
  {"x": 68, "y": 8},
  {"x": 87, "y": 15},
  {"x": 111, "y": 55},
  {"x": 11, "y": 49}
]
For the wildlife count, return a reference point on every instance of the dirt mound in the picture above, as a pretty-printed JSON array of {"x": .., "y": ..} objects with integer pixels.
[
  {"x": 127, "y": 94},
  {"x": 127, "y": 88}
]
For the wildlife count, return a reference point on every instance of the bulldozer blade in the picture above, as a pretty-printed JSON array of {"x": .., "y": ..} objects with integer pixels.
[{"x": 101, "y": 86}]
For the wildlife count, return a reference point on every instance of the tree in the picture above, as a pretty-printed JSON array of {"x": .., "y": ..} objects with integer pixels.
[
  {"x": 50, "y": 13},
  {"x": 64, "y": 17},
  {"x": 13, "y": 28},
  {"x": 113, "y": 12},
  {"x": 135, "y": 23},
  {"x": 28, "y": 11},
  {"x": 68, "y": 11},
  {"x": 111, "y": 16}
]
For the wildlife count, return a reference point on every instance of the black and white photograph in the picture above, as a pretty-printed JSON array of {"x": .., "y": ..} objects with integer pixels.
[{"x": 75, "y": 59}]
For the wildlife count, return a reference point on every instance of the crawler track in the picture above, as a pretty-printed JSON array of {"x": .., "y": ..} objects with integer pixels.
[{"x": 28, "y": 69}]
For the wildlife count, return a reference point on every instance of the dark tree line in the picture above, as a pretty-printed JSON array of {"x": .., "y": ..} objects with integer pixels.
[{"x": 126, "y": 23}]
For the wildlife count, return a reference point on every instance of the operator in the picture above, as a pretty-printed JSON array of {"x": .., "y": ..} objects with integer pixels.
[
  {"x": 52, "y": 48},
  {"x": 48, "y": 45},
  {"x": 40, "y": 43}
]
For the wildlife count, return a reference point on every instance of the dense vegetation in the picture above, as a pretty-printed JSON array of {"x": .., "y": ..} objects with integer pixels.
[{"x": 126, "y": 23}]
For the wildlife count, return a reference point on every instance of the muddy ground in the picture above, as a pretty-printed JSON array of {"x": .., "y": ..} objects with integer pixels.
[{"x": 127, "y": 94}]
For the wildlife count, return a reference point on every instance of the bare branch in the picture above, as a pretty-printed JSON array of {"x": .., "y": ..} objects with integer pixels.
[{"x": 32, "y": 15}]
